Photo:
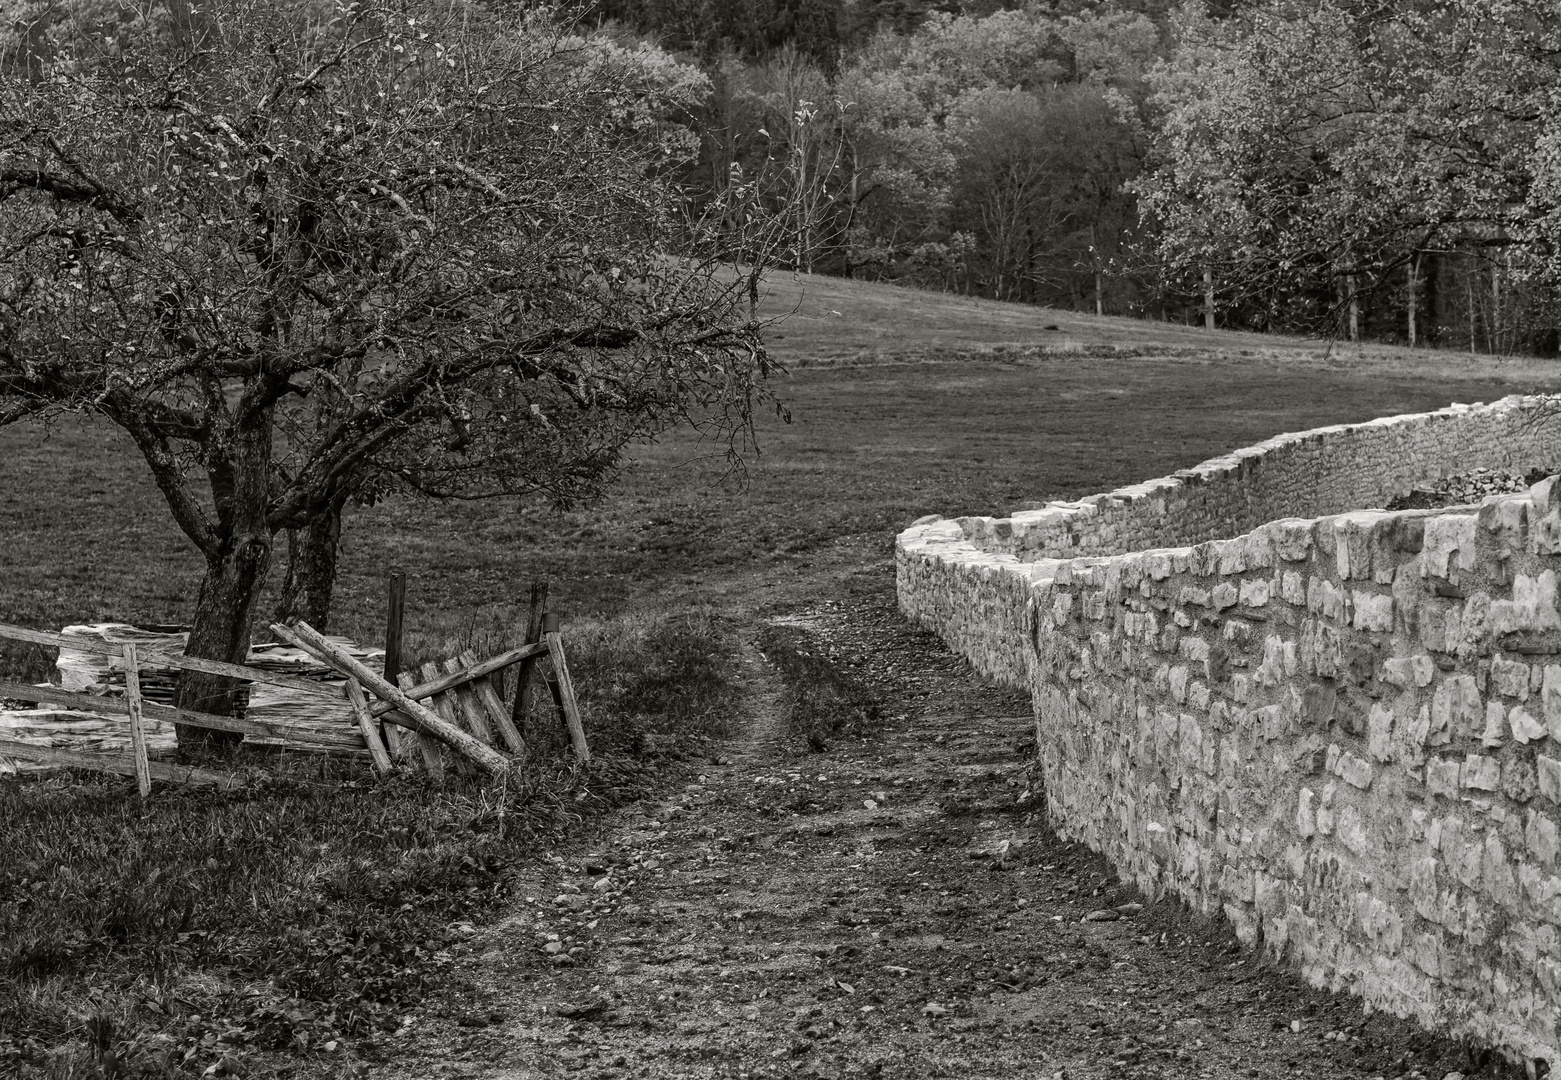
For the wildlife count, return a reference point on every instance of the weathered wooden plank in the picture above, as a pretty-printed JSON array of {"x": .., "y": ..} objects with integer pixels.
[
  {"x": 428, "y": 747},
  {"x": 471, "y": 709},
  {"x": 115, "y": 763},
  {"x": 306, "y": 637},
  {"x": 395, "y": 624},
  {"x": 429, "y": 687},
  {"x": 159, "y": 659},
  {"x": 370, "y": 729},
  {"x": 566, "y": 689},
  {"x": 137, "y": 733},
  {"x": 116, "y": 706},
  {"x": 491, "y": 700},
  {"x": 445, "y": 705},
  {"x": 527, "y": 670}
]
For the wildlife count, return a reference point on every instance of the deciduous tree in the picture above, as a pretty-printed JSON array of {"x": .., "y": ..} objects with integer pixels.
[{"x": 304, "y": 260}]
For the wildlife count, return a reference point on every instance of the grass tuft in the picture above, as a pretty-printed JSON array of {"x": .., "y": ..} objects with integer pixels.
[{"x": 298, "y": 919}]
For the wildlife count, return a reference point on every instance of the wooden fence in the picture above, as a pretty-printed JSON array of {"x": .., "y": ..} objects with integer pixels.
[{"x": 455, "y": 709}]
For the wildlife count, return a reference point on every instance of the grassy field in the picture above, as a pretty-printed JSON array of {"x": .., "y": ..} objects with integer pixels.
[{"x": 901, "y": 404}]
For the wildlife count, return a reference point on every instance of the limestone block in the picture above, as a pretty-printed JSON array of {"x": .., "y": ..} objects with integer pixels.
[
  {"x": 1542, "y": 836},
  {"x": 1525, "y": 728},
  {"x": 1254, "y": 593},
  {"x": 1325, "y": 598},
  {"x": 1549, "y": 770},
  {"x": 1406, "y": 671},
  {"x": 1441, "y": 777},
  {"x": 1532, "y": 607},
  {"x": 1352, "y": 832},
  {"x": 1373, "y": 612},
  {"x": 1455, "y": 708},
  {"x": 1544, "y": 536},
  {"x": 1241, "y": 688},
  {"x": 1292, "y": 538},
  {"x": 1224, "y": 596},
  {"x": 1495, "y": 732},
  {"x": 1550, "y": 696},
  {"x": 1473, "y": 625},
  {"x": 1510, "y": 678},
  {"x": 1193, "y": 596},
  {"x": 1292, "y": 587},
  {"x": 1355, "y": 771},
  {"x": 1506, "y": 520},
  {"x": 1379, "y": 732},
  {"x": 1449, "y": 545},
  {"x": 1325, "y": 812},
  {"x": 1230, "y": 556},
  {"x": 1496, "y": 875}
]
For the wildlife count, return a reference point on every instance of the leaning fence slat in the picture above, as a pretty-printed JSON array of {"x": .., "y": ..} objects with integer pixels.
[
  {"x": 427, "y": 746},
  {"x": 283, "y": 730},
  {"x": 114, "y": 763},
  {"x": 137, "y": 732},
  {"x": 99, "y": 647},
  {"x": 566, "y": 689},
  {"x": 366, "y": 724},
  {"x": 427, "y": 689},
  {"x": 445, "y": 705},
  {"x": 527, "y": 668},
  {"x": 471, "y": 709},
  {"x": 306, "y": 637},
  {"x": 494, "y": 703}
]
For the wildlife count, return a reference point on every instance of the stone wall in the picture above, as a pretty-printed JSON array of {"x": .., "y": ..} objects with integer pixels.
[
  {"x": 1328, "y": 470},
  {"x": 1342, "y": 731}
]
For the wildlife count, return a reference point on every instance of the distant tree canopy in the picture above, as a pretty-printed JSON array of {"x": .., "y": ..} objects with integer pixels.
[
  {"x": 308, "y": 256},
  {"x": 1374, "y": 170}
]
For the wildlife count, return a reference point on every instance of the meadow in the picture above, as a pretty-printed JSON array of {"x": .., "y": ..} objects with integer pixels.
[{"x": 120, "y": 923}]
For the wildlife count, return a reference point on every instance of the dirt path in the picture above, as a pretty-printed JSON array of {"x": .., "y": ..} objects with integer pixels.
[{"x": 891, "y": 907}]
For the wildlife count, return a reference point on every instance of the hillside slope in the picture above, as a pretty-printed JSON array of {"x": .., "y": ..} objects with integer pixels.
[{"x": 832, "y": 320}]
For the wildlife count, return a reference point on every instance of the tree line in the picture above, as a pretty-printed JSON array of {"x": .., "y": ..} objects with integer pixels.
[{"x": 1366, "y": 169}]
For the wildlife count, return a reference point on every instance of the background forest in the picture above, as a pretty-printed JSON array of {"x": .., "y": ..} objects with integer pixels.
[{"x": 1368, "y": 169}]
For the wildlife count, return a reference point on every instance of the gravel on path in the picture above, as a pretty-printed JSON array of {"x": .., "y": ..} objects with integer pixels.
[{"x": 892, "y": 907}]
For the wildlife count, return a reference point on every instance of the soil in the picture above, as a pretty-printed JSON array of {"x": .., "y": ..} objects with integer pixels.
[{"x": 892, "y": 906}]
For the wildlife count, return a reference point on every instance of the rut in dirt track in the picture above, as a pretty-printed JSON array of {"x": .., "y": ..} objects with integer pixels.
[{"x": 894, "y": 906}]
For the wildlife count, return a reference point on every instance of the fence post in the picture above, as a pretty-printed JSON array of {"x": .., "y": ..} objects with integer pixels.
[
  {"x": 137, "y": 731},
  {"x": 528, "y": 666},
  {"x": 566, "y": 688},
  {"x": 395, "y": 616}
]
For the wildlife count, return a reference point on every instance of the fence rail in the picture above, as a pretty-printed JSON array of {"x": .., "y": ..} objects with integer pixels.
[{"x": 456, "y": 708}]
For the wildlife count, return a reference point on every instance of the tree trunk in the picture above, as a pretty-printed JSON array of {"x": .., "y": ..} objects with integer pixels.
[
  {"x": 236, "y": 567},
  {"x": 311, "y": 570},
  {"x": 1412, "y": 302},
  {"x": 224, "y": 609},
  {"x": 1468, "y": 286}
]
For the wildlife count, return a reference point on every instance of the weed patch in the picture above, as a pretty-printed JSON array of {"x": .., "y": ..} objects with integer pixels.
[{"x": 291, "y": 924}]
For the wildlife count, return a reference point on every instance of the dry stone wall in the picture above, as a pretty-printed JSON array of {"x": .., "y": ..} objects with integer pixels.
[
  {"x": 1344, "y": 731},
  {"x": 1328, "y": 470}
]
